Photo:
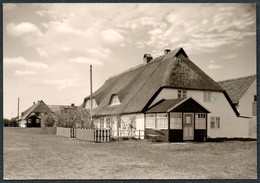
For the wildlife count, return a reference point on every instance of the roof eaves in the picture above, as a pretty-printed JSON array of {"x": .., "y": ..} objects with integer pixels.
[{"x": 231, "y": 104}]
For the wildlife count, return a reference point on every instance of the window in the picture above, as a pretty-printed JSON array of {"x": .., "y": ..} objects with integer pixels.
[
  {"x": 161, "y": 121},
  {"x": 212, "y": 122},
  {"x": 200, "y": 121},
  {"x": 150, "y": 120},
  {"x": 29, "y": 121},
  {"x": 101, "y": 123},
  {"x": 215, "y": 122},
  {"x": 182, "y": 93},
  {"x": 38, "y": 121},
  {"x": 88, "y": 104},
  {"x": 175, "y": 121},
  {"x": 114, "y": 100},
  {"x": 108, "y": 123},
  {"x": 255, "y": 98},
  {"x": 133, "y": 122},
  {"x": 218, "y": 122},
  {"x": 207, "y": 96}
]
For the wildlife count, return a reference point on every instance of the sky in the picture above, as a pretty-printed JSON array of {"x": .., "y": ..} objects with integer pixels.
[{"x": 48, "y": 48}]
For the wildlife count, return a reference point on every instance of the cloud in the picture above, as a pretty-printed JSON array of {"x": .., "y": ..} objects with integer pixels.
[
  {"x": 23, "y": 62},
  {"x": 155, "y": 31},
  {"x": 213, "y": 66},
  {"x": 100, "y": 52},
  {"x": 84, "y": 60},
  {"x": 229, "y": 56},
  {"x": 42, "y": 52},
  {"x": 22, "y": 73},
  {"x": 24, "y": 28},
  {"x": 66, "y": 49},
  {"x": 63, "y": 83},
  {"x": 113, "y": 36}
]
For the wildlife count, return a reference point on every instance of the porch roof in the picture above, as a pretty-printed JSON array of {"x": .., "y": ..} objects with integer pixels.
[{"x": 177, "y": 105}]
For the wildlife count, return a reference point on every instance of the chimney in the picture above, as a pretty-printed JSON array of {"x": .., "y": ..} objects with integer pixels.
[
  {"x": 166, "y": 51},
  {"x": 147, "y": 58},
  {"x": 33, "y": 103},
  {"x": 72, "y": 105}
]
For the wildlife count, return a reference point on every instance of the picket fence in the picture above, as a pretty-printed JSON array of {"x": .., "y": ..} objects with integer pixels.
[{"x": 98, "y": 135}]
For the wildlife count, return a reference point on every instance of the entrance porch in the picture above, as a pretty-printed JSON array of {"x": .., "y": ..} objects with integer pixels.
[{"x": 176, "y": 120}]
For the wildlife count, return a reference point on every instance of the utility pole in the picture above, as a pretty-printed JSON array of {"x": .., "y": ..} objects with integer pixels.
[
  {"x": 91, "y": 103},
  {"x": 18, "y": 108}
]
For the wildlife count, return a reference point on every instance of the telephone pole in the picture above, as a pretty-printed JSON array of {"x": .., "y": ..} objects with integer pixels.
[
  {"x": 91, "y": 103},
  {"x": 18, "y": 108}
]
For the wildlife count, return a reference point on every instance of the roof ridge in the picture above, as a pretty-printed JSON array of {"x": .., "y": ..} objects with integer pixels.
[
  {"x": 176, "y": 50},
  {"x": 241, "y": 77}
]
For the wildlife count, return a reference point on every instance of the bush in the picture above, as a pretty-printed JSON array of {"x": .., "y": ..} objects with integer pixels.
[{"x": 13, "y": 122}]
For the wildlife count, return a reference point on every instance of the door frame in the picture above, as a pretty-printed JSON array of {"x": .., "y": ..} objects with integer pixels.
[{"x": 192, "y": 124}]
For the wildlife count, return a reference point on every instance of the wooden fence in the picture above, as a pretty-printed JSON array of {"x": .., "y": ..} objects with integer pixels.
[
  {"x": 98, "y": 135},
  {"x": 122, "y": 133}
]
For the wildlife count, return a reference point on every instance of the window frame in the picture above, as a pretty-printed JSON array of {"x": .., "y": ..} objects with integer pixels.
[
  {"x": 88, "y": 104},
  {"x": 217, "y": 122},
  {"x": 207, "y": 96},
  {"x": 181, "y": 93},
  {"x": 212, "y": 122},
  {"x": 151, "y": 116},
  {"x": 176, "y": 121},
  {"x": 111, "y": 102},
  {"x": 198, "y": 121},
  {"x": 163, "y": 123}
]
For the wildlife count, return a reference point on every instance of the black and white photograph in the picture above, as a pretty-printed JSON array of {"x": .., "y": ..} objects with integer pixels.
[{"x": 109, "y": 91}]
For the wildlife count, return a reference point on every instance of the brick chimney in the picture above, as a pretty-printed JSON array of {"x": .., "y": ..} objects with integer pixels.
[
  {"x": 33, "y": 103},
  {"x": 166, "y": 51},
  {"x": 147, "y": 58}
]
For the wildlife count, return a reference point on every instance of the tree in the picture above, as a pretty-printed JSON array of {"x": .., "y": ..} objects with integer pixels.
[
  {"x": 50, "y": 120},
  {"x": 74, "y": 117},
  {"x": 7, "y": 122}
]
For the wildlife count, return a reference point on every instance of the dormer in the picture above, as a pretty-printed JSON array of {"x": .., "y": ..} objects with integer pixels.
[
  {"x": 88, "y": 104},
  {"x": 114, "y": 100}
]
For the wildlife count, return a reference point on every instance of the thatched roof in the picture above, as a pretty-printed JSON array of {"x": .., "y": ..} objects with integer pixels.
[
  {"x": 58, "y": 108},
  {"x": 39, "y": 107},
  {"x": 237, "y": 87},
  {"x": 136, "y": 87}
]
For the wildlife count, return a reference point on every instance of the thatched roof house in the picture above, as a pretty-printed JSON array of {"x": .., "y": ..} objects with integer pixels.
[
  {"x": 33, "y": 115},
  {"x": 242, "y": 92},
  {"x": 126, "y": 100},
  {"x": 136, "y": 87},
  {"x": 237, "y": 87}
]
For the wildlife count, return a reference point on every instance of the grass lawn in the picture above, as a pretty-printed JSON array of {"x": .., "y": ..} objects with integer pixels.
[{"x": 29, "y": 154}]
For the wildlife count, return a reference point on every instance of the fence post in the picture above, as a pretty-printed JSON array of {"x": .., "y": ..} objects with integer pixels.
[
  {"x": 99, "y": 135},
  {"x": 94, "y": 135},
  {"x": 109, "y": 134},
  {"x": 106, "y": 135}
]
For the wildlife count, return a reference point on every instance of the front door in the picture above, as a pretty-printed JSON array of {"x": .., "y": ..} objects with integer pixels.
[{"x": 188, "y": 126}]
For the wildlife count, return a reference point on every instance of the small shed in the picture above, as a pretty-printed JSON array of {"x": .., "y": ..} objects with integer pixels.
[
  {"x": 177, "y": 120},
  {"x": 33, "y": 121}
]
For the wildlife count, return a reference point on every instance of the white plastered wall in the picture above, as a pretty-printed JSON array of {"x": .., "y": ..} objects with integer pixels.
[
  {"x": 22, "y": 123},
  {"x": 246, "y": 101},
  {"x": 126, "y": 119},
  {"x": 230, "y": 125}
]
